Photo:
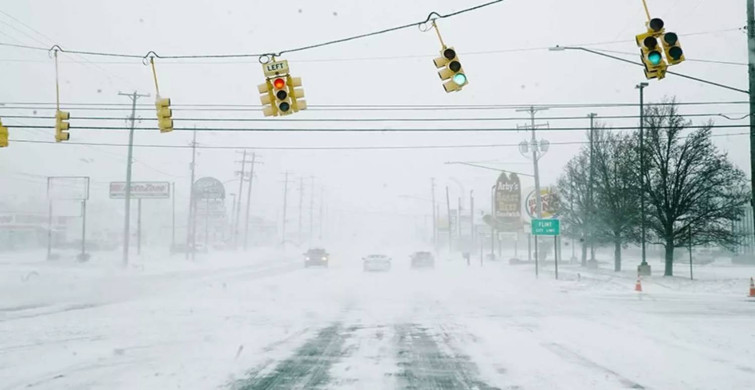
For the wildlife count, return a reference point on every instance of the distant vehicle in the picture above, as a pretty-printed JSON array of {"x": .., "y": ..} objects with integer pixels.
[
  {"x": 316, "y": 257},
  {"x": 423, "y": 260},
  {"x": 376, "y": 263}
]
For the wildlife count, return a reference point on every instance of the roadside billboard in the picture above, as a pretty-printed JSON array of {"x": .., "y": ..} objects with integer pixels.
[
  {"x": 508, "y": 201},
  {"x": 141, "y": 190}
]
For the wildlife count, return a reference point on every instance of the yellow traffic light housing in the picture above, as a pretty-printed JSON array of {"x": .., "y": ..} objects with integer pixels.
[
  {"x": 62, "y": 126},
  {"x": 672, "y": 48},
  {"x": 280, "y": 94},
  {"x": 3, "y": 135},
  {"x": 451, "y": 70},
  {"x": 164, "y": 115},
  {"x": 650, "y": 50}
]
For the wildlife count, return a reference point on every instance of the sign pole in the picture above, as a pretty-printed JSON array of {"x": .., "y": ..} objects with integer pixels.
[
  {"x": 139, "y": 228},
  {"x": 537, "y": 271},
  {"x": 83, "y": 230},
  {"x": 555, "y": 254}
]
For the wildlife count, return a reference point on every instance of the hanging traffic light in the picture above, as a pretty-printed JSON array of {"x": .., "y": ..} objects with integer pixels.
[
  {"x": 282, "y": 101},
  {"x": 652, "y": 57},
  {"x": 62, "y": 126},
  {"x": 3, "y": 135},
  {"x": 164, "y": 115},
  {"x": 280, "y": 94},
  {"x": 450, "y": 70},
  {"x": 674, "y": 53}
]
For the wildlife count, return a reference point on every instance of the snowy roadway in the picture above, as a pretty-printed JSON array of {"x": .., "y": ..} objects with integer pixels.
[{"x": 271, "y": 324}]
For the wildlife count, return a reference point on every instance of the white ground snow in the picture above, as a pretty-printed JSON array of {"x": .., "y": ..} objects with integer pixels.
[{"x": 229, "y": 321}]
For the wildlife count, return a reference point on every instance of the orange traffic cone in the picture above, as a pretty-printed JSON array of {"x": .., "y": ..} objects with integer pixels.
[
  {"x": 638, "y": 285},
  {"x": 752, "y": 288}
]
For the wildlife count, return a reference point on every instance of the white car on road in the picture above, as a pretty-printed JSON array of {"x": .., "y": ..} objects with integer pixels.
[{"x": 376, "y": 263}]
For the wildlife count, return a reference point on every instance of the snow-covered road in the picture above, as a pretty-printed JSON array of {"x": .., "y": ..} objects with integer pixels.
[{"x": 272, "y": 324}]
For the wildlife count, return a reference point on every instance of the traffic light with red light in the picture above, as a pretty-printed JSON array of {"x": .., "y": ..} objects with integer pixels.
[
  {"x": 62, "y": 126},
  {"x": 450, "y": 70},
  {"x": 280, "y": 94}
]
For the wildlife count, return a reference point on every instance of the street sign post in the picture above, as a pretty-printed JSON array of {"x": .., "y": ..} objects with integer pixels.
[{"x": 548, "y": 227}]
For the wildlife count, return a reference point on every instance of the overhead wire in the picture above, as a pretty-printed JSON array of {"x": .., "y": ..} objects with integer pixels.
[
  {"x": 337, "y": 120},
  {"x": 314, "y": 148},
  {"x": 359, "y": 130},
  {"x": 432, "y": 16}
]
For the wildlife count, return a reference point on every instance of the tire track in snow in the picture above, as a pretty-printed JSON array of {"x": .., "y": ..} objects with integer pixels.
[
  {"x": 568, "y": 354},
  {"x": 307, "y": 368},
  {"x": 424, "y": 364}
]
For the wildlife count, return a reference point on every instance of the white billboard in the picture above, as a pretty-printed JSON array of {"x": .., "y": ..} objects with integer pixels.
[
  {"x": 141, "y": 190},
  {"x": 68, "y": 188}
]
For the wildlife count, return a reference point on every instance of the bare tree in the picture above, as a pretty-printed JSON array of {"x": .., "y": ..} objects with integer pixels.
[
  {"x": 573, "y": 191},
  {"x": 617, "y": 189},
  {"x": 690, "y": 185}
]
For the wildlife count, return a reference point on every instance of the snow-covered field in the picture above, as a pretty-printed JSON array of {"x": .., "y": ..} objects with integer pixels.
[{"x": 261, "y": 320}]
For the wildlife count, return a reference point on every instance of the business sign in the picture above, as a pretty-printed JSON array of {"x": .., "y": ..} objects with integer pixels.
[
  {"x": 68, "y": 188},
  {"x": 550, "y": 200},
  {"x": 508, "y": 201},
  {"x": 141, "y": 190},
  {"x": 546, "y": 227},
  {"x": 208, "y": 188}
]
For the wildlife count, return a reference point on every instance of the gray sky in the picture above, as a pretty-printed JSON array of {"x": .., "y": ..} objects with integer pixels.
[{"x": 349, "y": 73}]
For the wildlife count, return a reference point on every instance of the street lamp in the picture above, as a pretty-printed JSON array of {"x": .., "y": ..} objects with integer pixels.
[{"x": 644, "y": 268}]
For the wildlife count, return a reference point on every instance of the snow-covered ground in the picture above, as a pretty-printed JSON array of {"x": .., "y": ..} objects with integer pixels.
[{"x": 262, "y": 321}]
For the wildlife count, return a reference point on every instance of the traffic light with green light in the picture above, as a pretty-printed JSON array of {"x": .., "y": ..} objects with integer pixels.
[
  {"x": 62, "y": 126},
  {"x": 3, "y": 135},
  {"x": 164, "y": 115},
  {"x": 451, "y": 70}
]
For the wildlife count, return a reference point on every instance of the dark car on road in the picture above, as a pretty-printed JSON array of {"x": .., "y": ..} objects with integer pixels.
[
  {"x": 423, "y": 260},
  {"x": 316, "y": 257}
]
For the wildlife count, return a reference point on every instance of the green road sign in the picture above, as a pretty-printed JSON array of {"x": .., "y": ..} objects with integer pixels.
[{"x": 546, "y": 227}]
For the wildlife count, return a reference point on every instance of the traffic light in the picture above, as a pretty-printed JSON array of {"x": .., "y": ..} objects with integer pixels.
[
  {"x": 266, "y": 98},
  {"x": 3, "y": 136},
  {"x": 450, "y": 70},
  {"x": 164, "y": 115},
  {"x": 62, "y": 126},
  {"x": 282, "y": 98},
  {"x": 655, "y": 66},
  {"x": 297, "y": 96},
  {"x": 674, "y": 53}
]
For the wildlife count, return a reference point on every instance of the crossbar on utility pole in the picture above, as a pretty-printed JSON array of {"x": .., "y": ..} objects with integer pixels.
[{"x": 127, "y": 218}]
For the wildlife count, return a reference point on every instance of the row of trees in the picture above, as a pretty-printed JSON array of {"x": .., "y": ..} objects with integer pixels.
[{"x": 691, "y": 190}]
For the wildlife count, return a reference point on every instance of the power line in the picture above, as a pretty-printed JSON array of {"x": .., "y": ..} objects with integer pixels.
[
  {"x": 214, "y": 107},
  {"x": 370, "y": 147},
  {"x": 357, "y": 130},
  {"x": 432, "y": 16},
  {"x": 454, "y": 119}
]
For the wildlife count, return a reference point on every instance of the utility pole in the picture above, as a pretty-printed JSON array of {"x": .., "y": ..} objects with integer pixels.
[
  {"x": 285, "y": 204},
  {"x": 471, "y": 220},
  {"x": 535, "y": 146},
  {"x": 301, "y": 206},
  {"x": 644, "y": 268},
  {"x": 591, "y": 190},
  {"x": 751, "y": 71},
  {"x": 189, "y": 225},
  {"x": 435, "y": 217},
  {"x": 127, "y": 218},
  {"x": 322, "y": 205},
  {"x": 238, "y": 207},
  {"x": 249, "y": 201},
  {"x": 311, "y": 209},
  {"x": 450, "y": 225},
  {"x": 173, "y": 225}
]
